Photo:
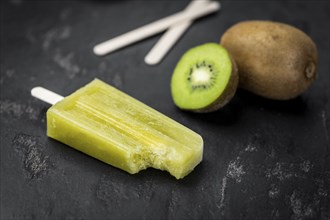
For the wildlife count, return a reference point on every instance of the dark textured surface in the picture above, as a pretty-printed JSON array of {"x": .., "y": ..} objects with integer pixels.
[{"x": 263, "y": 159}]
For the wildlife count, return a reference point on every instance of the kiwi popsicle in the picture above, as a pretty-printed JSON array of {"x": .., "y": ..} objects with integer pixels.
[{"x": 119, "y": 130}]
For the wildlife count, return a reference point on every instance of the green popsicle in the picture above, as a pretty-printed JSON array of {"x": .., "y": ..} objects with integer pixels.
[{"x": 117, "y": 129}]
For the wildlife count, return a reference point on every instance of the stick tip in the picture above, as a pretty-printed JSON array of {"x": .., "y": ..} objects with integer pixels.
[
  {"x": 98, "y": 50},
  {"x": 151, "y": 60},
  {"x": 35, "y": 91}
]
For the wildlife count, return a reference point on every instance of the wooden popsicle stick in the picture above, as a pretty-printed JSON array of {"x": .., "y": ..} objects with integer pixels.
[
  {"x": 46, "y": 95},
  {"x": 171, "y": 36},
  {"x": 152, "y": 28}
]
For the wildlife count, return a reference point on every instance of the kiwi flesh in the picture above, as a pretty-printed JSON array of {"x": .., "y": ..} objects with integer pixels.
[
  {"x": 205, "y": 79},
  {"x": 274, "y": 60}
]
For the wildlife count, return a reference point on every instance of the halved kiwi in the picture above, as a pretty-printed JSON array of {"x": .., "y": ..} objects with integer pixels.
[{"x": 205, "y": 79}]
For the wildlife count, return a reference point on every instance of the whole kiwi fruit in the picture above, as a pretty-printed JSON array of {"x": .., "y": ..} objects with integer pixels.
[
  {"x": 274, "y": 60},
  {"x": 204, "y": 79}
]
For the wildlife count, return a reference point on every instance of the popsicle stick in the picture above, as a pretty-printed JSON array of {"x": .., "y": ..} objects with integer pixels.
[
  {"x": 152, "y": 29},
  {"x": 46, "y": 95},
  {"x": 170, "y": 37}
]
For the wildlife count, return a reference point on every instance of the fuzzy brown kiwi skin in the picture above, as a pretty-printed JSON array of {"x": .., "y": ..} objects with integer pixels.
[
  {"x": 226, "y": 95},
  {"x": 274, "y": 60}
]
